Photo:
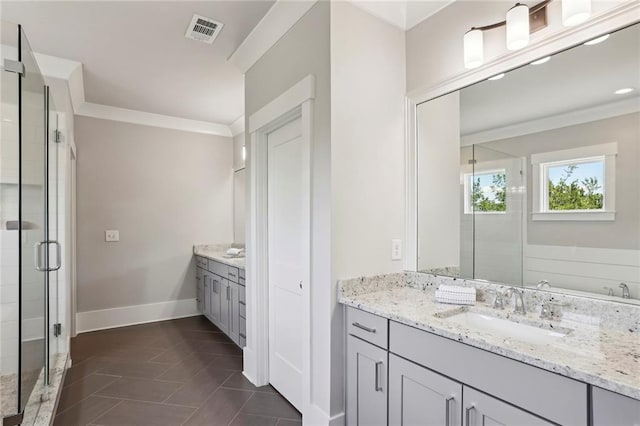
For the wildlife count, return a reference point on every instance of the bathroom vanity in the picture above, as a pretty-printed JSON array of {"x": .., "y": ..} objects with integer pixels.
[
  {"x": 412, "y": 361},
  {"x": 220, "y": 285}
]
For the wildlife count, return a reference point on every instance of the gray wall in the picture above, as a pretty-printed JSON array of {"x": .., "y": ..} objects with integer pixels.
[
  {"x": 302, "y": 51},
  {"x": 624, "y": 232},
  {"x": 164, "y": 190}
]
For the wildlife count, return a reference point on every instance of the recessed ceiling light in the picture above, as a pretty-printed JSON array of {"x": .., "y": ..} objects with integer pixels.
[
  {"x": 597, "y": 40},
  {"x": 623, "y": 91},
  {"x": 541, "y": 61},
  {"x": 496, "y": 77}
]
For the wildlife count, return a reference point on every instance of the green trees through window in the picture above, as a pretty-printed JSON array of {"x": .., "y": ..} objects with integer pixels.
[
  {"x": 489, "y": 192},
  {"x": 576, "y": 187}
]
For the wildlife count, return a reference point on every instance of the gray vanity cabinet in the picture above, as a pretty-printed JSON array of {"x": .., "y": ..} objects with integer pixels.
[
  {"x": 366, "y": 383},
  {"x": 612, "y": 409},
  {"x": 482, "y": 410},
  {"x": 418, "y": 396}
]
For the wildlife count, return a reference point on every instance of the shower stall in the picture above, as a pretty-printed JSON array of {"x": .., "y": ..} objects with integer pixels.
[{"x": 30, "y": 252}]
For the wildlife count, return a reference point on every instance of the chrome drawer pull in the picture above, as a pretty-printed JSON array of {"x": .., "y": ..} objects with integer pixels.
[
  {"x": 467, "y": 414},
  {"x": 363, "y": 327},
  {"x": 447, "y": 421},
  {"x": 378, "y": 385},
  {"x": 242, "y": 303}
]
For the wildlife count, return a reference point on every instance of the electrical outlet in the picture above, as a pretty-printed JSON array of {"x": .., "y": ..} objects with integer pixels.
[
  {"x": 111, "y": 235},
  {"x": 396, "y": 249}
]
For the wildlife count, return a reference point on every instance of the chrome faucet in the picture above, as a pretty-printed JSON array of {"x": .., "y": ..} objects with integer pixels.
[
  {"x": 609, "y": 291},
  {"x": 498, "y": 303},
  {"x": 625, "y": 291},
  {"x": 517, "y": 294}
]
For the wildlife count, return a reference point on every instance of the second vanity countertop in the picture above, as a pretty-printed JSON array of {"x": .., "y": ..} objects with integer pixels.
[
  {"x": 599, "y": 349},
  {"x": 217, "y": 253}
]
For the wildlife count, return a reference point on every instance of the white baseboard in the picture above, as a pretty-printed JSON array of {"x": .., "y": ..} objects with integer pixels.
[
  {"x": 136, "y": 314},
  {"x": 315, "y": 416}
]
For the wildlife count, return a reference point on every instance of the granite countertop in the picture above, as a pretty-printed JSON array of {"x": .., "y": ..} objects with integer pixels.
[
  {"x": 217, "y": 253},
  {"x": 602, "y": 347}
]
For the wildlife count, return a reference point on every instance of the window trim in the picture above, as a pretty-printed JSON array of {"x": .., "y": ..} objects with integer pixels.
[{"x": 540, "y": 164}]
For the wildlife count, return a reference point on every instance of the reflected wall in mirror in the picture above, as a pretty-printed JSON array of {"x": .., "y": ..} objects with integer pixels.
[{"x": 542, "y": 166}]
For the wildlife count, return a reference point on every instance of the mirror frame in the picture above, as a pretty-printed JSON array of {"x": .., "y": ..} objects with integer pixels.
[{"x": 614, "y": 19}]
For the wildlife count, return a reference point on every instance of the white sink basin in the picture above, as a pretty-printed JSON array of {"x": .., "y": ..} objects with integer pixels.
[{"x": 508, "y": 329}]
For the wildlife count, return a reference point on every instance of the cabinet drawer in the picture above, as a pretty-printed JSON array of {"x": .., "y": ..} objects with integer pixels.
[
  {"x": 232, "y": 275},
  {"x": 549, "y": 395},
  {"x": 241, "y": 273},
  {"x": 219, "y": 268},
  {"x": 201, "y": 262},
  {"x": 369, "y": 327}
]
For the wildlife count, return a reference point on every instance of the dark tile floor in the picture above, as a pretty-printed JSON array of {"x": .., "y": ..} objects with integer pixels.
[{"x": 179, "y": 372}]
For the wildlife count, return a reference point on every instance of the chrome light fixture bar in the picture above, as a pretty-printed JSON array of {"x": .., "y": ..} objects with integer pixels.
[{"x": 520, "y": 22}]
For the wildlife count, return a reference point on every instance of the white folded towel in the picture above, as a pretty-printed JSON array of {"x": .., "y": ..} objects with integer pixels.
[{"x": 456, "y": 295}]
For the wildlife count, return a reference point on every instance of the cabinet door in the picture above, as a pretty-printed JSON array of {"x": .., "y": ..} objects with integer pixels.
[
  {"x": 234, "y": 312},
  {"x": 216, "y": 288},
  {"x": 484, "y": 410},
  {"x": 418, "y": 396},
  {"x": 612, "y": 409},
  {"x": 225, "y": 298},
  {"x": 366, "y": 383}
]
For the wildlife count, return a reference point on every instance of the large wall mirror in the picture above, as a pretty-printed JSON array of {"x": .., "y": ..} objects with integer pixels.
[{"x": 542, "y": 166}]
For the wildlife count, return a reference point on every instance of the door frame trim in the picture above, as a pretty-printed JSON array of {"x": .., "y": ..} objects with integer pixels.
[{"x": 295, "y": 102}]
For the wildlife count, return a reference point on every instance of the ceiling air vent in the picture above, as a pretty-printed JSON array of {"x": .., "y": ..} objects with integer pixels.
[{"x": 203, "y": 29}]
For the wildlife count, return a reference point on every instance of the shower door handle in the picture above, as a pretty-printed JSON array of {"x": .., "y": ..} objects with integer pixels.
[{"x": 38, "y": 256}]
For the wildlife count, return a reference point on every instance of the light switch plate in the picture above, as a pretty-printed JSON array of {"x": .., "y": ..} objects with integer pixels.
[
  {"x": 396, "y": 249},
  {"x": 111, "y": 235}
]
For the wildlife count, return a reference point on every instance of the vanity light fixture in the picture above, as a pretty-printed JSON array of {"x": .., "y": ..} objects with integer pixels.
[
  {"x": 597, "y": 40},
  {"x": 517, "y": 27},
  {"x": 575, "y": 12},
  {"x": 624, "y": 91},
  {"x": 473, "y": 48},
  {"x": 520, "y": 22},
  {"x": 496, "y": 77},
  {"x": 541, "y": 61}
]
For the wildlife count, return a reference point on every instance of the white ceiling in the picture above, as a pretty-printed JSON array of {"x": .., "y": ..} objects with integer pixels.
[
  {"x": 404, "y": 14},
  {"x": 135, "y": 55},
  {"x": 579, "y": 79}
]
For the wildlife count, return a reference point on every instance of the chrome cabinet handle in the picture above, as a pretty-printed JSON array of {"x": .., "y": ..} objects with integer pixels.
[
  {"x": 228, "y": 288},
  {"x": 378, "y": 385},
  {"x": 363, "y": 327},
  {"x": 447, "y": 416},
  {"x": 467, "y": 414}
]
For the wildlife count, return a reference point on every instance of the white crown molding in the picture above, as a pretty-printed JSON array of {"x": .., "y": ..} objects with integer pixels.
[
  {"x": 278, "y": 20},
  {"x": 237, "y": 126},
  {"x": 106, "y": 112},
  {"x": 403, "y": 14},
  {"x": 600, "y": 112},
  {"x": 72, "y": 72}
]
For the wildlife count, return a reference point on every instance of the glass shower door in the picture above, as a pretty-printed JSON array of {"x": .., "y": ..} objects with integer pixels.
[{"x": 33, "y": 225}]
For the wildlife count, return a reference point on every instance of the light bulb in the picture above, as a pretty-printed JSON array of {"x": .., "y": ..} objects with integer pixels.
[
  {"x": 597, "y": 40},
  {"x": 517, "y": 27},
  {"x": 473, "y": 49},
  {"x": 575, "y": 12}
]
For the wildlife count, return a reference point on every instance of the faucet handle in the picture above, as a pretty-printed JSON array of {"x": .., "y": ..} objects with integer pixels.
[{"x": 625, "y": 291}]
